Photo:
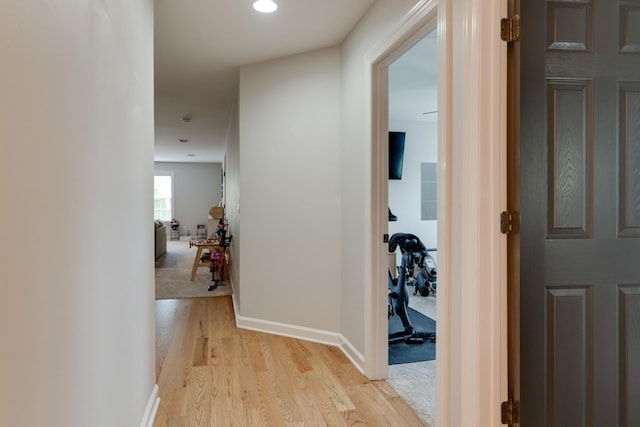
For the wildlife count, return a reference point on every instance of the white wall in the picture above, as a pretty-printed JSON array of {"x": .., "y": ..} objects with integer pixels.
[
  {"x": 355, "y": 163},
  {"x": 290, "y": 186},
  {"x": 196, "y": 187},
  {"x": 76, "y": 258},
  {"x": 421, "y": 146}
]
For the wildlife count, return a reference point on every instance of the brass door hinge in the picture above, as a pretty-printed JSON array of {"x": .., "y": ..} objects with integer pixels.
[
  {"x": 507, "y": 222},
  {"x": 509, "y": 412},
  {"x": 510, "y": 28}
]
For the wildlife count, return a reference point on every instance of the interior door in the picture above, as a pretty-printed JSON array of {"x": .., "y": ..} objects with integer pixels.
[{"x": 579, "y": 198}]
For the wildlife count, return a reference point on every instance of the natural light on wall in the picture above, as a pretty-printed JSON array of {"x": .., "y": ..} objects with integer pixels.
[
  {"x": 163, "y": 197},
  {"x": 265, "y": 6}
]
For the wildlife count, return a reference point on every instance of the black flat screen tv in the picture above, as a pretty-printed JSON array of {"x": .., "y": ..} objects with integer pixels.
[{"x": 396, "y": 154}]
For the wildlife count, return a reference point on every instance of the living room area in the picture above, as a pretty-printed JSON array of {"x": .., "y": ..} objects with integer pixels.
[{"x": 184, "y": 195}]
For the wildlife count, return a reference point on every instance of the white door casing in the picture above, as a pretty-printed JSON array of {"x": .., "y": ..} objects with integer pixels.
[{"x": 471, "y": 329}]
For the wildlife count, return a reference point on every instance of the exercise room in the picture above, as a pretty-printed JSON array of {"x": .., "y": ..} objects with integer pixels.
[{"x": 413, "y": 178}]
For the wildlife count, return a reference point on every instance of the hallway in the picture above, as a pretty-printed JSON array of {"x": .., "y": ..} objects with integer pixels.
[{"x": 211, "y": 373}]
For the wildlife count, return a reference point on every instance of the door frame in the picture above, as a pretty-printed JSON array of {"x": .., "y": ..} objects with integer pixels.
[
  {"x": 421, "y": 20},
  {"x": 472, "y": 298}
]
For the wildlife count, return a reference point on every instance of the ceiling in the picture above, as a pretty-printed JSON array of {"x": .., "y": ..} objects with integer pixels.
[
  {"x": 413, "y": 82},
  {"x": 200, "y": 45}
]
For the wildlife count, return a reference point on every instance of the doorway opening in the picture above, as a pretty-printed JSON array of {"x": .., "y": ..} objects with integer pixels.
[
  {"x": 417, "y": 30},
  {"x": 412, "y": 195}
]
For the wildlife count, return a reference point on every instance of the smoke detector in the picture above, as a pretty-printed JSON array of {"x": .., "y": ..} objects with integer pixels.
[{"x": 186, "y": 118}]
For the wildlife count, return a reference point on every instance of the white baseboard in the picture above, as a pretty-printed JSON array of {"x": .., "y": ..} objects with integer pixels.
[
  {"x": 352, "y": 354},
  {"x": 152, "y": 408},
  {"x": 236, "y": 308},
  {"x": 291, "y": 331}
]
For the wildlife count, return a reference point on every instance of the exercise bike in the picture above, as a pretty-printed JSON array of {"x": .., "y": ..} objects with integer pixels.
[
  {"x": 413, "y": 253},
  {"x": 421, "y": 271}
]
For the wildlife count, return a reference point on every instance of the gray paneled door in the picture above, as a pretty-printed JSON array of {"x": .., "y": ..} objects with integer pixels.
[{"x": 580, "y": 213}]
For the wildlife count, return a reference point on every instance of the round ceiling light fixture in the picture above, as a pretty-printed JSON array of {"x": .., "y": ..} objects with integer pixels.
[{"x": 265, "y": 6}]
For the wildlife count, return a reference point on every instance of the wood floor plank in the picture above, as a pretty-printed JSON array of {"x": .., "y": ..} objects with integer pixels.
[
  {"x": 293, "y": 368},
  {"x": 255, "y": 349},
  {"x": 406, "y": 412},
  {"x": 330, "y": 413},
  {"x": 342, "y": 369},
  {"x": 336, "y": 392},
  {"x": 386, "y": 390},
  {"x": 299, "y": 355},
  {"x": 199, "y": 405},
  {"x": 270, "y": 402},
  {"x": 169, "y": 315},
  {"x": 309, "y": 408},
  {"x": 391, "y": 410},
  {"x": 366, "y": 406},
  {"x": 281, "y": 382},
  {"x": 231, "y": 361},
  {"x": 219, "y": 395},
  {"x": 213, "y": 374},
  {"x": 245, "y": 385},
  {"x": 171, "y": 381},
  {"x": 201, "y": 345},
  {"x": 180, "y": 421},
  {"x": 165, "y": 318}
]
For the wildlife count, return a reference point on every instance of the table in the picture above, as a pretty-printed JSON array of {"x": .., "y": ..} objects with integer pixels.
[{"x": 211, "y": 245}]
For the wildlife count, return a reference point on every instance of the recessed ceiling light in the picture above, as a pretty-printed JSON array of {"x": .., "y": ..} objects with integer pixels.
[
  {"x": 183, "y": 140},
  {"x": 265, "y": 6}
]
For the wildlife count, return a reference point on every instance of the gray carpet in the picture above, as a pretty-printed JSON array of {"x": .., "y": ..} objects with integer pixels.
[{"x": 173, "y": 274}]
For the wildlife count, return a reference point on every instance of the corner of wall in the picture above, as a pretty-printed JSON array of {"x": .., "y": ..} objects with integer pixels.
[
  {"x": 352, "y": 353},
  {"x": 152, "y": 408},
  {"x": 301, "y": 333}
]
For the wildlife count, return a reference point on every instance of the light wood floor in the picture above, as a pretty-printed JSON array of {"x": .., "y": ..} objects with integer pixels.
[{"x": 211, "y": 373}]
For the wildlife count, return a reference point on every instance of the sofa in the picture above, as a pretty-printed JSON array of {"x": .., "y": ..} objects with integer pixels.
[{"x": 160, "y": 238}]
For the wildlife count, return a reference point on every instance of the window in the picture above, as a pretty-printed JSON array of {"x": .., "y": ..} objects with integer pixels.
[{"x": 163, "y": 196}]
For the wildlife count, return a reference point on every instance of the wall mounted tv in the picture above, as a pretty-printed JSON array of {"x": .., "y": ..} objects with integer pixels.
[{"x": 396, "y": 154}]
